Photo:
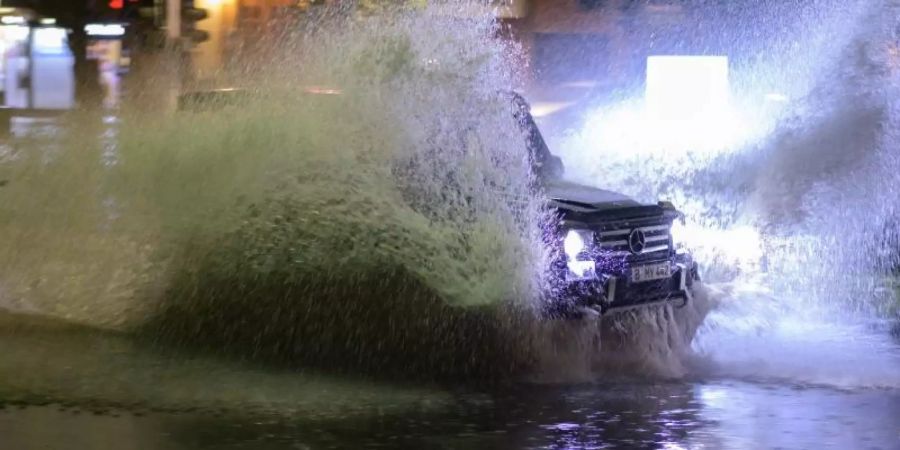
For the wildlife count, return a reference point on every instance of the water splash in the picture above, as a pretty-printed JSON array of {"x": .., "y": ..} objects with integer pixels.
[
  {"x": 287, "y": 228},
  {"x": 391, "y": 227},
  {"x": 807, "y": 190}
]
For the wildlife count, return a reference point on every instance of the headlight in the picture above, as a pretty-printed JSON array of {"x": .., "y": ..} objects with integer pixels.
[
  {"x": 679, "y": 232},
  {"x": 739, "y": 246},
  {"x": 574, "y": 245}
]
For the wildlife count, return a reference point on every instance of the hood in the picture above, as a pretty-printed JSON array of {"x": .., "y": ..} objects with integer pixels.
[{"x": 581, "y": 196}]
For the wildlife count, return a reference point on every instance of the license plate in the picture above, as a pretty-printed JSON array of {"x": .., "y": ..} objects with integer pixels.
[{"x": 651, "y": 272}]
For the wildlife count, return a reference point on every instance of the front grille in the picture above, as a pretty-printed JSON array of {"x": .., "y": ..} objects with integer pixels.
[{"x": 612, "y": 240}]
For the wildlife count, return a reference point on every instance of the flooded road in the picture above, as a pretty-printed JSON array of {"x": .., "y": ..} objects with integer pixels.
[
  {"x": 727, "y": 415},
  {"x": 68, "y": 387},
  {"x": 317, "y": 244}
]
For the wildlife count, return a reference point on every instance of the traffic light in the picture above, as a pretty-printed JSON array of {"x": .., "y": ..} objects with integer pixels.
[
  {"x": 133, "y": 11},
  {"x": 144, "y": 10},
  {"x": 189, "y": 18},
  {"x": 146, "y": 20}
]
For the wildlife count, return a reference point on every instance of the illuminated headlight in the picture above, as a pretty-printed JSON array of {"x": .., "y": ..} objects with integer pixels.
[
  {"x": 574, "y": 245},
  {"x": 679, "y": 232}
]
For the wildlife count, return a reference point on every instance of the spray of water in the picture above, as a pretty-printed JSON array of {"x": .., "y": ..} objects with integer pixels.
[
  {"x": 791, "y": 210},
  {"x": 390, "y": 227}
]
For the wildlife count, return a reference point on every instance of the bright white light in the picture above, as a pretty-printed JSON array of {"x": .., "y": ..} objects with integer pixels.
[
  {"x": 543, "y": 109},
  {"x": 573, "y": 244},
  {"x": 50, "y": 41},
  {"x": 688, "y": 104},
  {"x": 581, "y": 269},
  {"x": 685, "y": 88},
  {"x": 776, "y": 97},
  {"x": 631, "y": 130},
  {"x": 679, "y": 234},
  {"x": 12, "y": 20},
  {"x": 740, "y": 246},
  {"x": 104, "y": 29},
  {"x": 16, "y": 33},
  {"x": 48, "y": 21},
  {"x": 686, "y": 111}
]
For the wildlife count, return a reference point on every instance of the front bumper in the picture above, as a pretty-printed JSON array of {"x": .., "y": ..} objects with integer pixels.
[
  {"x": 620, "y": 294},
  {"x": 608, "y": 293}
]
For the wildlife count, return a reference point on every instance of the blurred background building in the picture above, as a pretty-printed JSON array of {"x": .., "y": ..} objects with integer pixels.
[{"x": 55, "y": 54}]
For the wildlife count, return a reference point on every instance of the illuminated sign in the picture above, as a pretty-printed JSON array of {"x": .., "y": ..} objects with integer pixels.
[
  {"x": 12, "y": 20},
  {"x": 104, "y": 29}
]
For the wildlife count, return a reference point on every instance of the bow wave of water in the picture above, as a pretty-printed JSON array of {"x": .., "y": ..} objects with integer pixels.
[
  {"x": 390, "y": 226},
  {"x": 393, "y": 228}
]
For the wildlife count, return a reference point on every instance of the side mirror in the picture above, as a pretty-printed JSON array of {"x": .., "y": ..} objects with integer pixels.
[{"x": 679, "y": 216}]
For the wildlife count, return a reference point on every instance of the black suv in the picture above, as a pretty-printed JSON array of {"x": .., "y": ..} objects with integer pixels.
[{"x": 612, "y": 253}]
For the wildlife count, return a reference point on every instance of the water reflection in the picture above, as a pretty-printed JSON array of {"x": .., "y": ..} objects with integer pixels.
[
  {"x": 610, "y": 414},
  {"x": 63, "y": 386}
]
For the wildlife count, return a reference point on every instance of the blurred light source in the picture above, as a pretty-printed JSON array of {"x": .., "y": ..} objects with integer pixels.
[
  {"x": 575, "y": 242},
  {"x": 739, "y": 246},
  {"x": 321, "y": 90},
  {"x": 104, "y": 29},
  {"x": 543, "y": 109},
  {"x": 12, "y": 20},
  {"x": 688, "y": 105},
  {"x": 50, "y": 41},
  {"x": 686, "y": 87},
  {"x": 16, "y": 33}
]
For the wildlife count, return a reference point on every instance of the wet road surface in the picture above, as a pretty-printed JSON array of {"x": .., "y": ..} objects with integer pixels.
[{"x": 71, "y": 388}]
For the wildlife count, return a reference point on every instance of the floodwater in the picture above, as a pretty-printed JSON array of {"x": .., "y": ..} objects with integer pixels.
[
  {"x": 174, "y": 227},
  {"x": 68, "y": 387}
]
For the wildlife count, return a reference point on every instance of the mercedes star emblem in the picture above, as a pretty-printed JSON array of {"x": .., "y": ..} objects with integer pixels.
[{"x": 636, "y": 241}]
